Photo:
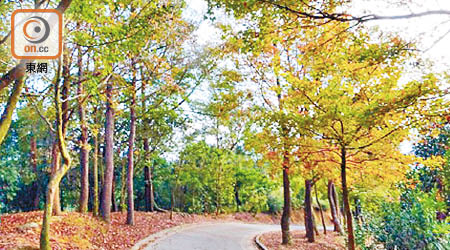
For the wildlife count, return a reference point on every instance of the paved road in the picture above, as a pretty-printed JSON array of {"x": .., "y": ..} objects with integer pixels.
[{"x": 224, "y": 236}]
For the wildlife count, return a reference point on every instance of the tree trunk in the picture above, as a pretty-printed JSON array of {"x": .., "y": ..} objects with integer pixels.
[
  {"x": 309, "y": 221},
  {"x": 50, "y": 198},
  {"x": 95, "y": 175},
  {"x": 84, "y": 145},
  {"x": 333, "y": 208},
  {"x": 348, "y": 214},
  {"x": 148, "y": 174},
  {"x": 314, "y": 220},
  {"x": 55, "y": 177},
  {"x": 33, "y": 161},
  {"x": 147, "y": 189},
  {"x": 236, "y": 197},
  {"x": 107, "y": 190},
  {"x": 56, "y": 161},
  {"x": 172, "y": 202},
  {"x": 286, "y": 216},
  {"x": 321, "y": 211},
  {"x": 130, "y": 174},
  {"x": 6, "y": 118},
  {"x": 115, "y": 207},
  {"x": 336, "y": 204},
  {"x": 123, "y": 190},
  {"x": 218, "y": 188}
]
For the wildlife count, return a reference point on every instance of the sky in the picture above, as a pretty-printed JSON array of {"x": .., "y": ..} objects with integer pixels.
[{"x": 430, "y": 33}]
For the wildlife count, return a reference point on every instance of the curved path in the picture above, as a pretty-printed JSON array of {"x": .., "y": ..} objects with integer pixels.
[{"x": 223, "y": 236}]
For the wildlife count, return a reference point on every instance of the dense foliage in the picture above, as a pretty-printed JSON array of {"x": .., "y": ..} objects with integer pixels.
[{"x": 418, "y": 219}]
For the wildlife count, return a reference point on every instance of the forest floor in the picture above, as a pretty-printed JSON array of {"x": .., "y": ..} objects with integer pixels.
[
  {"x": 73, "y": 230},
  {"x": 330, "y": 241}
]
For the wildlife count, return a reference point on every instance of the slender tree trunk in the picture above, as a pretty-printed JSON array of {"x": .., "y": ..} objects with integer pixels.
[
  {"x": 321, "y": 211},
  {"x": 56, "y": 161},
  {"x": 33, "y": 160},
  {"x": 286, "y": 216},
  {"x": 336, "y": 203},
  {"x": 148, "y": 174},
  {"x": 314, "y": 220},
  {"x": 55, "y": 177},
  {"x": 95, "y": 175},
  {"x": 218, "y": 189},
  {"x": 107, "y": 190},
  {"x": 333, "y": 208},
  {"x": 147, "y": 189},
  {"x": 130, "y": 174},
  {"x": 115, "y": 207},
  {"x": 6, "y": 118},
  {"x": 172, "y": 202},
  {"x": 236, "y": 197},
  {"x": 84, "y": 145},
  {"x": 123, "y": 187},
  {"x": 348, "y": 213},
  {"x": 309, "y": 221}
]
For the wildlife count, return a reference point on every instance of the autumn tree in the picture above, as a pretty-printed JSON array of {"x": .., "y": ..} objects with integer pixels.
[{"x": 357, "y": 103}]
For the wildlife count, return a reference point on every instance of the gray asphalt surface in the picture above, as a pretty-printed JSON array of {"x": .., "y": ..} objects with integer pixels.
[{"x": 224, "y": 236}]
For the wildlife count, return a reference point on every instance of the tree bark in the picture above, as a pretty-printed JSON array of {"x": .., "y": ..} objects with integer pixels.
[
  {"x": 123, "y": 189},
  {"x": 348, "y": 214},
  {"x": 333, "y": 208},
  {"x": 321, "y": 211},
  {"x": 56, "y": 162},
  {"x": 84, "y": 145},
  {"x": 6, "y": 118},
  {"x": 172, "y": 202},
  {"x": 147, "y": 189},
  {"x": 55, "y": 177},
  {"x": 236, "y": 196},
  {"x": 336, "y": 204},
  {"x": 95, "y": 175},
  {"x": 218, "y": 188},
  {"x": 36, "y": 190},
  {"x": 286, "y": 216},
  {"x": 314, "y": 220},
  {"x": 107, "y": 190},
  {"x": 148, "y": 175},
  {"x": 114, "y": 205},
  {"x": 309, "y": 221},
  {"x": 130, "y": 173}
]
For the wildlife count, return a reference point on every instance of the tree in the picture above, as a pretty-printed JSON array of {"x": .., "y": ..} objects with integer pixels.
[
  {"x": 361, "y": 103},
  {"x": 130, "y": 173},
  {"x": 56, "y": 177},
  {"x": 107, "y": 188},
  {"x": 84, "y": 145}
]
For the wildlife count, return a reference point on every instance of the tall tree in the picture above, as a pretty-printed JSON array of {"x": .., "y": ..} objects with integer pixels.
[
  {"x": 84, "y": 144},
  {"x": 131, "y": 139},
  {"x": 107, "y": 189},
  {"x": 55, "y": 177}
]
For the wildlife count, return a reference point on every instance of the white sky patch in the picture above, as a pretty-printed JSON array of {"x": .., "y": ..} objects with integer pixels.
[{"x": 431, "y": 33}]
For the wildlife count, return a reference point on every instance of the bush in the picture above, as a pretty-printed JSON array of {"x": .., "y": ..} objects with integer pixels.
[
  {"x": 408, "y": 224},
  {"x": 275, "y": 202}
]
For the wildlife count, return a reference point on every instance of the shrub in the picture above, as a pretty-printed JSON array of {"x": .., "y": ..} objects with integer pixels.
[{"x": 407, "y": 224}]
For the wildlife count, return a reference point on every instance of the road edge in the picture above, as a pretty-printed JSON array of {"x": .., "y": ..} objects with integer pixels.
[{"x": 258, "y": 242}]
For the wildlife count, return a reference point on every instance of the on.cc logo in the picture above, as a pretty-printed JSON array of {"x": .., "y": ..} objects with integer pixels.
[
  {"x": 36, "y": 29},
  {"x": 36, "y": 34}
]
